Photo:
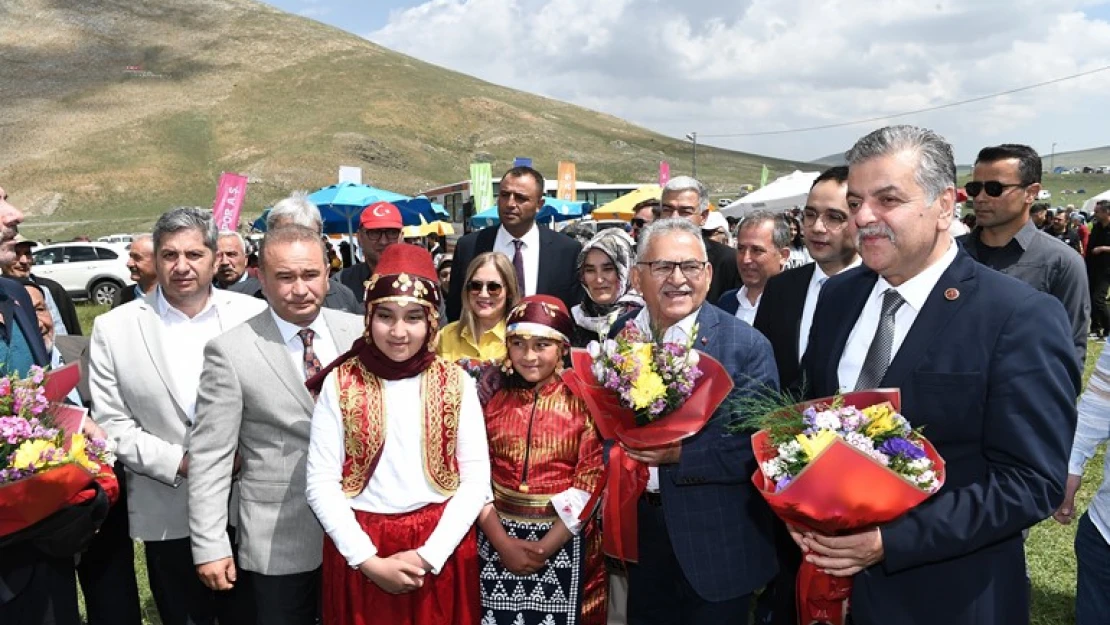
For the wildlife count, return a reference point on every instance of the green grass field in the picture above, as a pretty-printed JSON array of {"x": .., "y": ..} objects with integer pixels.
[{"x": 1049, "y": 550}]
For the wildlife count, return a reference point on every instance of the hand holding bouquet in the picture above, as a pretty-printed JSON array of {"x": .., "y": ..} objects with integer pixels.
[
  {"x": 840, "y": 465},
  {"x": 645, "y": 396}
]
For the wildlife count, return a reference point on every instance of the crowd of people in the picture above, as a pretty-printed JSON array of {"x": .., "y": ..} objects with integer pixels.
[{"x": 394, "y": 442}]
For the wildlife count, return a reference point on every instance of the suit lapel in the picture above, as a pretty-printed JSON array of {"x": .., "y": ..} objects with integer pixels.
[
  {"x": 151, "y": 329},
  {"x": 707, "y": 320},
  {"x": 853, "y": 305},
  {"x": 797, "y": 294},
  {"x": 545, "y": 263},
  {"x": 270, "y": 344},
  {"x": 943, "y": 304},
  {"x": 343, "y": 335}
]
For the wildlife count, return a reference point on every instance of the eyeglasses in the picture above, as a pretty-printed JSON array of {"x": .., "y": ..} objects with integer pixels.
[
  {"x": 638, "y": 223},
  {"x": 834, "y": 220},
  {"x": 668, "y": 210},
  {"x": 663, "y": 269},
  {"x": 476, "y": 287},
  {"x": 993, "y": 188},
  {"x": 379, "y": 234}
]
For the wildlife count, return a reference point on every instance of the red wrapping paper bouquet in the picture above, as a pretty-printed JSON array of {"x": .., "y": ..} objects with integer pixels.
[
  {"x": 46, "y": 463},
  {"x": 837, "y": 465},
  {"x": 643, "y": 395}
]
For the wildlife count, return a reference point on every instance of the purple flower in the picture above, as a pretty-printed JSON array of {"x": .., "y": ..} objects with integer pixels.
[
  {"x": 783, "y": 483},
  {"x": 899, "y": 446}
]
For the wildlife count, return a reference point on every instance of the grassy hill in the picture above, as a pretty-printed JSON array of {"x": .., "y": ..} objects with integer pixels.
[
  {"x": 234, "y": 85},
  {"x": 1094, "y": 157}
]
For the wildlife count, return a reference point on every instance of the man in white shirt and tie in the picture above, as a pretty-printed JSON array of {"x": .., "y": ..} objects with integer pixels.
[
  {"x": 253, "y": 403},
  {"x": 762, "y": 249},
  {"x": 144, "y": 368},
  {"x": 545, "y": 261}
]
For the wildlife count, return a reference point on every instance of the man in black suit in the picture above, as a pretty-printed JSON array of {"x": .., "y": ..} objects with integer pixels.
[
  {"x": 785, "y": 312},
  {"x": 231, "y": 265},
  {"x": 687, "y": 198},
  {"x": 985, "y": 365},
  {"x": 785, "y": 316},
  {"x": 140, "y": 262},
  {"x": 545, "y": 261},
  {"x": 762, "y": 251}
]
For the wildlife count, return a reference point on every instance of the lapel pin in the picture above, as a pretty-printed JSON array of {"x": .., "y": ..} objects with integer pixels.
[
  {"x": 951, "y": 294},
  {"x": 704, "y": 341}
]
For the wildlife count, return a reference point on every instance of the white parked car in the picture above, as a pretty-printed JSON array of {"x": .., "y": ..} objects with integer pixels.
[
  {"x": 88, "y": 271},
  {"x": 1044, "y": 194}
]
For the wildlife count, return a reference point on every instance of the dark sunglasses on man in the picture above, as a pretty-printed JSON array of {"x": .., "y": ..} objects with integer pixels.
[
  {"x": 476, "y": 287},
  {"x": 638, "y": 223},
  {"x": 993, "y": 188}
]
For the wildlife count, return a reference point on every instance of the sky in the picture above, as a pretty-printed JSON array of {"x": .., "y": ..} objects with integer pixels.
[{"x": 723, "y": 68}]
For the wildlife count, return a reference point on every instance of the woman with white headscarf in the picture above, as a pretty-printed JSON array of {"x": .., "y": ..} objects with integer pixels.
[{"x": 603, "y": 269}]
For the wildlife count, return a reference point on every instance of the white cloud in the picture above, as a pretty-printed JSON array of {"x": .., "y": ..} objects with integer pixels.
[{"x": 758, "y": 65}]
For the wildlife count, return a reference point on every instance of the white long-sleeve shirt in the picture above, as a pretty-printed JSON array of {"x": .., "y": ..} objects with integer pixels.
[
  {"x": 1094, "y": 428},
  {"x": 398, "y": 484}
]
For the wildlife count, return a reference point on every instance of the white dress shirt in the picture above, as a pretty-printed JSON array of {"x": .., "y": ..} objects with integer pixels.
[
  {"x": 815, "y": 284},
  {"x": 529, "y": 252},
  {"x": 322, "y": 342},
  {"x": 681, "y": 332},
  {"x": 398, "y": 484},
  {"x": 914, "y": 291},
  {"x": 184, "y": 339},
  {"x": 746, "y": 310}
]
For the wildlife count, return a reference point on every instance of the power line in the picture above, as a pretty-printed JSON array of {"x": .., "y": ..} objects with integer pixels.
[{"x": 915, "y": 112}]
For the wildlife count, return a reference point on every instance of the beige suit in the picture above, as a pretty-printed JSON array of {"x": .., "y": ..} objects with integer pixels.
[
  {"x": 136, "y": 403},
  {"x": 253, "y": 399}
]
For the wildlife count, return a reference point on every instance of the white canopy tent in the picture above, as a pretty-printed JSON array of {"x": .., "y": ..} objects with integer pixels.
[
  {"x": 785, "y": 192},
  {"x": 1089, "y": 205}
]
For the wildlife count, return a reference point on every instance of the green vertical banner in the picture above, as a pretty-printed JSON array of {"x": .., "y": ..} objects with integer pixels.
[
  {"x": 763, "y": 177},
  {"x": 481, "y": 186}
]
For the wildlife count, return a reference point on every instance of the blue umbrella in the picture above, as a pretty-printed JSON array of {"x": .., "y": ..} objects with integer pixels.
[
  {"x": 553, "y": 210},
  {"x": 341, "y": 205}
]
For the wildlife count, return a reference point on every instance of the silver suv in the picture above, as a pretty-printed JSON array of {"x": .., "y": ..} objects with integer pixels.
[{"x": 88, "y": 271}]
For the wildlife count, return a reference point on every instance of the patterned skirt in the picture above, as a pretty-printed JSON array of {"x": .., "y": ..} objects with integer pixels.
[{"x": 569, "y": 590}]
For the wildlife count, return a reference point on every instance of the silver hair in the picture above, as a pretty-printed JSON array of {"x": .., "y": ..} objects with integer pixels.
[
  {"x": 936, "y": 167},
  {"x": 679, "y": 184},
  {"x": 291, "y": 233},
  {"x": 230, "y": 233},
  {"x": 186, "y": 218},
  {"x": 660, "y": 227},
  {"x": 139, "y": 238},
  {"x": 780, "y": 237},
  {"x": 295, "y": 210}
]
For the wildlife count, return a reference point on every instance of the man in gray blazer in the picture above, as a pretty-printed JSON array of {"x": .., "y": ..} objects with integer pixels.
[
  {"x": 252, "y": 398},
  {"x": 144, "y": 369}
]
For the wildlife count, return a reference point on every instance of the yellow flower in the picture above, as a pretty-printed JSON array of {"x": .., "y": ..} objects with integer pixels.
[
  {"x": 30, "y": 452},
  {"x": 647, "y": 388},
  {"x": 881, "y": 417},
  {"x": 639, "y": 355},
  {"x": 815, "y": 444},
  {"x": 77, "y": 453}
]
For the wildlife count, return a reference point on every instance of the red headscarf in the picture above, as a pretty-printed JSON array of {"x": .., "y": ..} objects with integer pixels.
[{"x": 405, "y": 274}]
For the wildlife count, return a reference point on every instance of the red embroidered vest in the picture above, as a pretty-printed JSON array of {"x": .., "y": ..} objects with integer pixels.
[{"x": 362, "y": 405}]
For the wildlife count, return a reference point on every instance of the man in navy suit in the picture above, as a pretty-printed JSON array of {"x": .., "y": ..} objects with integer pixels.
[
  {"x": 546, "y": 262},
  {"x": 704, "y": 534},
  {"x": 985, "y": 364}
]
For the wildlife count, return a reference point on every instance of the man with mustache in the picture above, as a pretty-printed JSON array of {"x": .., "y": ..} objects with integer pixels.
[
  {"x": 1004, "y": 186},
  {"x": 231, "y": 265},
  {"x": 545, "y": 261},
  {"x": 985, "y": 365},
  {"x": 704, "y": 532}
]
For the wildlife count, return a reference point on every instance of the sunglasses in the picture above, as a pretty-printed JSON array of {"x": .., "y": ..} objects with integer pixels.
[
  {"x": 638, "y": 223},
  {"x": 476, "y": 286},
  {"x": 993, "y": 188}
]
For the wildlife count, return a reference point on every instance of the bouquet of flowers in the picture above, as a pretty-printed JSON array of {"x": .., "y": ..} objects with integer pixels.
[
  {"x": 643, "y": 395},
  {"x": 45, "y": 461},
  {"x": 840, "y": 464}
]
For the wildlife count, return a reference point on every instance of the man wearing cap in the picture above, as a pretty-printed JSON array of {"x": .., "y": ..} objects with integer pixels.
[
  {"x": 379, "y": 227},
  {"x": 545, "y": 261},
  {"x": 57, "y": 299},
  {"x": 715, "y": 228}
]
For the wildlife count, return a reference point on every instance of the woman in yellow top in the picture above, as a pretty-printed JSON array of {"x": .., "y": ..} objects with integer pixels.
[{"x": 491, "y": 292}]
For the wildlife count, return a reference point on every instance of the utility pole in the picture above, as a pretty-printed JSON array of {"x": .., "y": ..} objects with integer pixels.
[
  {"x": 693, "y": 136},
  {"x": 1052, "y": 160}
]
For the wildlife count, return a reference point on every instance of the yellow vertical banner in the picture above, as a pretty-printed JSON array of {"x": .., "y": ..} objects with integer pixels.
[{"x": 568, "y": 183}]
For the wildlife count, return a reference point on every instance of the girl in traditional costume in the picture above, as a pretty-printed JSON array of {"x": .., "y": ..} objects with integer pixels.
[
  {"x": 541, "y": 563},
  {"x": 398, "y": 465}
]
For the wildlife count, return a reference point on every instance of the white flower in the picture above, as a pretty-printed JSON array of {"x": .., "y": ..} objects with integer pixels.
[
  {"x": 827, "y": 420},
  {"x": 598, "y": 370},
  {"x": 773, "y": 469},
  {"x": 692, "y": 358},
  {"x": 789, "y": 451},
  {"x": 609, "y": 347},
  {"x": 860, "y": 442},
  {"x": 594, "y": 349},
  {"x": 920, "y": 464},
  {"x": 882, "y": 458},
  {"x": 926, "y": 477}
]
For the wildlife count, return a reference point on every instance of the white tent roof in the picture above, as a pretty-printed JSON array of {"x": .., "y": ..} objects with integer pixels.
[
  {"x": 1089, "y": 205},
  {"x": 785, "y": 192}
]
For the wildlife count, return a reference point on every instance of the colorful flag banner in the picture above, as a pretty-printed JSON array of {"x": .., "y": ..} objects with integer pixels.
[
  {"x": 230, "y": 194},
  {"x": 763, "y": 177},
  {"x": 522, "y": 161},
  {"x": 568, "y": 183},
  {"x": 481, "y": 186},
  {"x": 664, "y": 173}
]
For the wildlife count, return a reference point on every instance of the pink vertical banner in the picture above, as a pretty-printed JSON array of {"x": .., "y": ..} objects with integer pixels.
[
  {"x": 664, "y": 173},
  {"x": 229, "y": 201}
]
